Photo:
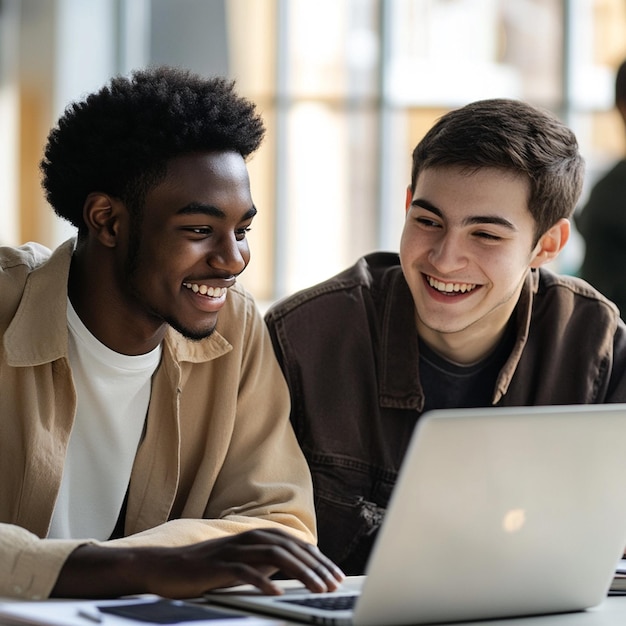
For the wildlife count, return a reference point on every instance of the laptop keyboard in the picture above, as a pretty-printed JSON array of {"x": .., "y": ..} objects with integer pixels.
[{"x": 329, "y": 602}]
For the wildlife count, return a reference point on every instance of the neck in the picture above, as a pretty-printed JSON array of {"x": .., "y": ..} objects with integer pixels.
[
  {"x": 103, "y": 309},
  {"x": 458, "y": 348}
]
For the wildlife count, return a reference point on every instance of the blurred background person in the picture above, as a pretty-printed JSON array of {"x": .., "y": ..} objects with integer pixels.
[{"x": 602, "y": 221}]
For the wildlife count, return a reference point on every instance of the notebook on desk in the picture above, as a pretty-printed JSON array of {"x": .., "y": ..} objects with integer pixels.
[{"x": 497, "y": 512}]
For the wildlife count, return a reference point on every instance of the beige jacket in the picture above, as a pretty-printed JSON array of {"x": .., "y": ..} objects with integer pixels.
[{"x": 218, "y": 455}]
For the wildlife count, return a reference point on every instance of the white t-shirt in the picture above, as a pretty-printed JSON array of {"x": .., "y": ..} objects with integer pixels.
[{"x": 113, "y": 393}]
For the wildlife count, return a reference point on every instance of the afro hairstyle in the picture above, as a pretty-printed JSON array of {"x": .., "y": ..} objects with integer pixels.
[{"x": 119, "y": 139}]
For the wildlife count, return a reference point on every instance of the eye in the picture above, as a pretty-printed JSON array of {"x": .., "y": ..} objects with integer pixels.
[
  {"x": 240, "y": 233},
  {"x": 427, "y": 222},
  {"x": 488, "y": 236},
  {"x": 200, "y": 230}
]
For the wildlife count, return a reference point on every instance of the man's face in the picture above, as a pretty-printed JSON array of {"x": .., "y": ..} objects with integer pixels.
[
  {"x": 466, "y": 247},
  {"x": 191, "y": 243}
]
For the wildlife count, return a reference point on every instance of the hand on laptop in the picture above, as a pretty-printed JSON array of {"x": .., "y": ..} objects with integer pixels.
[{"x": 189, "y": 571}]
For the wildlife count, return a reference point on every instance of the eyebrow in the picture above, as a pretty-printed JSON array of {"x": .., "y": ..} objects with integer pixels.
[
  {"x": 198, "y": 208},
  {"x": 470, "y": 220}
]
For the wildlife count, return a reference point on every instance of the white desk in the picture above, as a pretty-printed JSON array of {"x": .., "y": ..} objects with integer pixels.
[{"x": 612, "y": 612}]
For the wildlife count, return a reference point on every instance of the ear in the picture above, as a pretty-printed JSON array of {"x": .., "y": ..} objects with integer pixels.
[
  {"x": 102, "y": 215},
  {"x": 409, "y": 199},
  {"x": 551, "y": 243}
]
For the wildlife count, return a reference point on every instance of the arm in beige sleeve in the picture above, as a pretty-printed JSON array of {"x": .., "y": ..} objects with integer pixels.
[
  {"x": 29, "y": 566},
  {"x": 263, "y": 483}
]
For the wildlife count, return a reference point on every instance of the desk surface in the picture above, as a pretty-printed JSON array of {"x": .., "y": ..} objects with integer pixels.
[{"x": 611, "y": 612}]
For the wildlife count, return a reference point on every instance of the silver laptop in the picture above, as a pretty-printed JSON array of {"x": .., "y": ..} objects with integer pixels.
[{"x": 497, "y": 512}]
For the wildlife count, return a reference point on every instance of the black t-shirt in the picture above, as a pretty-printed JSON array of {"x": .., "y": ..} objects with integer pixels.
[{"x": 450, "y": 385}]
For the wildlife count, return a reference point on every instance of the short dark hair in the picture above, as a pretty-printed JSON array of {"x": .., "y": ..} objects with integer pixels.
[
  {"x": 120, "y": 138},
  {"x": 514, "y": 136}
]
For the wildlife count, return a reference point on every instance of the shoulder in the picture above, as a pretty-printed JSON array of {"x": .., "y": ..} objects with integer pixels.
[
  {"x": 16, "y": 265},
  {"x": 585, "y": 334},
  {"x": 605, "y": 188},
  {"x": 369, "y": 275},
  {"x": 26, "y": 258},
  {"x": 615, "y": 174},
  {"x": 574, "y": 297},
  {"x": 613, "y": 177}
]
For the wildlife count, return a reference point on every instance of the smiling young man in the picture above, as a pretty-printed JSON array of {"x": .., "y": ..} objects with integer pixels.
[
  {"x": 467, "y": 315},
  {"x": 144, "y": 420}
]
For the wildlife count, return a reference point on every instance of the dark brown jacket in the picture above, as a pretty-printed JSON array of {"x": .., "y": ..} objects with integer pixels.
[{"x": 349, "y": 350}]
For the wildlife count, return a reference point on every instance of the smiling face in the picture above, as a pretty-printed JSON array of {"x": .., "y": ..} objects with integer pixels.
[
  {"x": 466, "y": 247},
  {"x": 191, "y": 245}
]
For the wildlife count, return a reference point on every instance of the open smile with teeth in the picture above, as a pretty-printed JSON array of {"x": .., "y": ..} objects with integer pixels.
[
  {"x": 450, "y": 287},
  {"x": 211, "y": 292}
]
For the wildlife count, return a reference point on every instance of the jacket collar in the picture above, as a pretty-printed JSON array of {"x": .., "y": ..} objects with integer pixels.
[
  {"x": 399, "y": 384},
  {"x": 523, "y": 313},
  {"x": 38, "y": 332}
]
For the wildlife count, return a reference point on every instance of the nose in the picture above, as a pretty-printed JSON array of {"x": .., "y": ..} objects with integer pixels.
[
  {"x": 447, "y": 253},
  {"x": 230, "y": 255}
]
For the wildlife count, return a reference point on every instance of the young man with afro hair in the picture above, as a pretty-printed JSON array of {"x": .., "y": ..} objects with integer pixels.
[{"x": 146, "y": 444}]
